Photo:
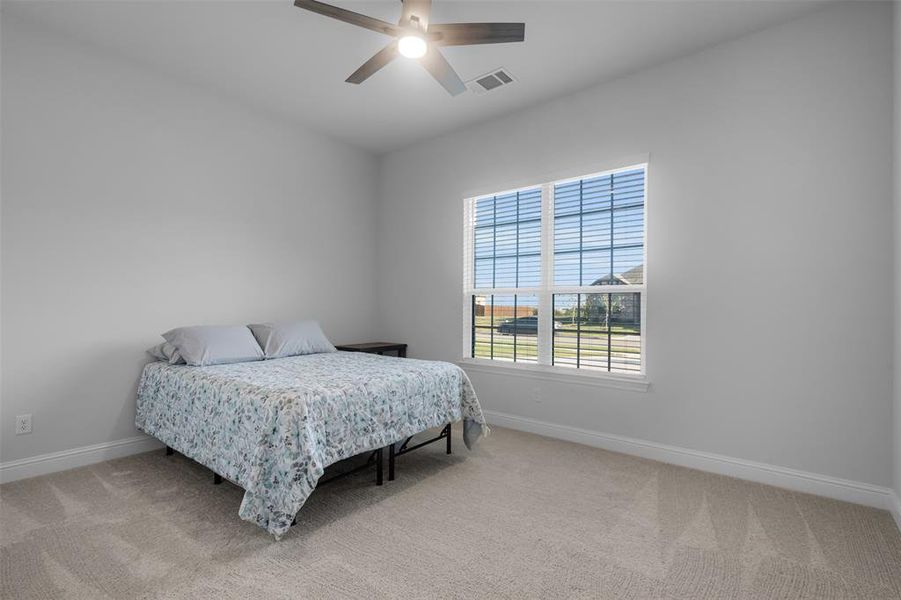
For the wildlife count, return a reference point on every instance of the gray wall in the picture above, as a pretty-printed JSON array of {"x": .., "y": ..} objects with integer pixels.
[
  {"x": 897, "y": 233},
  {"x": 770, "y": 243},
  {"x": 133, "y": 204}
]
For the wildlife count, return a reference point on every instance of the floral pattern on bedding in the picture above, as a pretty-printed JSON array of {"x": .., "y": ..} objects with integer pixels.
[{"x": 273, "y": 426}]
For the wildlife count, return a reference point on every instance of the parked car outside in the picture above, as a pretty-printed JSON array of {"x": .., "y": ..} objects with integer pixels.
[{"x": 523, "y": 325}]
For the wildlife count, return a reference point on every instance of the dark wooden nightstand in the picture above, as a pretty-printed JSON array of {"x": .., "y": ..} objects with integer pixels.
[{"x": 376, "y": 348}]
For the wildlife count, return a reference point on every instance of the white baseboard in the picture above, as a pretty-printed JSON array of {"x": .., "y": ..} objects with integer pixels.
[
  {"x": 799, "y": 481},
  {"x": 76, "y": 457}
]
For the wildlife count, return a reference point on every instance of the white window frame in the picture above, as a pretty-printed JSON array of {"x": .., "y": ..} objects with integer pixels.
[{"x": 545, "y": 292}]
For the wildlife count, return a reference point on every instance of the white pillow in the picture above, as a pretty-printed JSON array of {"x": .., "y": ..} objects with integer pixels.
[
  {"x": 291, "y": 338},
  {"x": 203, "y": 345}
]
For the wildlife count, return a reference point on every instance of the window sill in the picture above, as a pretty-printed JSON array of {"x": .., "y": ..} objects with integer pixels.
[{"x": 632, "y": 383}]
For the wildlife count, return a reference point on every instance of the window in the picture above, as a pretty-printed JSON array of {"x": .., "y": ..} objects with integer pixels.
[{"x": 554, "y": 274}]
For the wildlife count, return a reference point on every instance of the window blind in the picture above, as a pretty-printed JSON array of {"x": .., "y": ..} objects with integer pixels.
[
  {"x": 506, "y": 254},
  {"x": 508, "y": 240},
  {"x": 599, "y": 230}
]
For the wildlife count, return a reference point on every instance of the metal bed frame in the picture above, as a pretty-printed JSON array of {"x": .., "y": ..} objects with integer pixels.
[
  {"x": 376, "y": 457},
  {"x": 394, "y": 451}
]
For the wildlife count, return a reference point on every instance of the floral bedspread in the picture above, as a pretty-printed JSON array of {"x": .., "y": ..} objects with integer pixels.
[{"x": 273, "y": 426}]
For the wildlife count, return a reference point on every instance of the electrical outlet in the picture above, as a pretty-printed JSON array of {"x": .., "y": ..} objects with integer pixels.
[{"x": 23, "y": 424}]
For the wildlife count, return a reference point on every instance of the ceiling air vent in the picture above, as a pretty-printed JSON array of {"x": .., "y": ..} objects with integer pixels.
[{"x": 490, "y": 81}]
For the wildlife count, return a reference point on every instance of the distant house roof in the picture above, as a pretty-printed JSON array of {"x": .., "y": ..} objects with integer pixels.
[{"x": 634, "y": 276}]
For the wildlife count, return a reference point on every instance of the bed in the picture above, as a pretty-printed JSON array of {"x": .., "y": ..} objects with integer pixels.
[{"x": 273, "y": 426}]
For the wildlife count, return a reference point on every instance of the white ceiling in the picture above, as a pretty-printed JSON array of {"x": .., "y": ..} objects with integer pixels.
[{"x": 293, "y": 62}]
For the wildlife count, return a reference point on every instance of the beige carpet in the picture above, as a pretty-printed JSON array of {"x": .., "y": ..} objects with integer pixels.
[{"x": 522, "y": 517}]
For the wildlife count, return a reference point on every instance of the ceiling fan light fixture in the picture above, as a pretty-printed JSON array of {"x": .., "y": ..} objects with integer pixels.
[
  {"x": 412, "y": 46},
  {"x": 416, "y": 37}
]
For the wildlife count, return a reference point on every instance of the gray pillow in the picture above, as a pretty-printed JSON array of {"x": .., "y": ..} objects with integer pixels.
[
  {"x": 166, "y": 352},
  {"x": 291, "y": 338},
  {"x": 203, "y": 345}
]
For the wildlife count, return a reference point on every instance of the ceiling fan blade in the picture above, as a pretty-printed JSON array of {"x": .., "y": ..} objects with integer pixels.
[
  {"x": 379, "y": 60},
  {"x": 465, "y": 34},
  {"x": 421, "y": 9},
  {"x": 348, "y": 16},
  {"x": 435, "y": 63}
]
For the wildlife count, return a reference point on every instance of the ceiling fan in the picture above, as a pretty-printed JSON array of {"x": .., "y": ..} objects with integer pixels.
[{"x": 415, "y": 37}]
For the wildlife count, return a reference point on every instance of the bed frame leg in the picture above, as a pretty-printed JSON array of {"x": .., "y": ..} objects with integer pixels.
[
  {"x": 391, "y": 458},
  {"x": 217, "y": 479},
  {"x": 169, "y": 451},
  {"x": 379, "y": 467},
  {"x": 448, "y": 428}
]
